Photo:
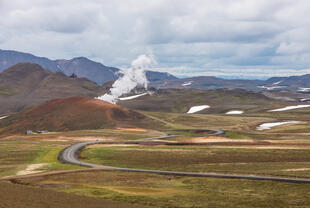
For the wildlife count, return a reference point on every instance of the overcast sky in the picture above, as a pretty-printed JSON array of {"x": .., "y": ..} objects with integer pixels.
[{"x": 238, "y": 38}]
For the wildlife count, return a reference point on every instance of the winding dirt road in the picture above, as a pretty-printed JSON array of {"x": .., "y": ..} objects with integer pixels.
[{"x": 71, "y": 153}]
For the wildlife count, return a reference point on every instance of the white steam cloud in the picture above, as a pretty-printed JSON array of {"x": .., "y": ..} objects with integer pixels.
[{"x": 132, "y": 77}]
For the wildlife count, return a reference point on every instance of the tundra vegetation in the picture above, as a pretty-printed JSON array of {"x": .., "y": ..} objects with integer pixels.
[{"x": 281, "y": 151}]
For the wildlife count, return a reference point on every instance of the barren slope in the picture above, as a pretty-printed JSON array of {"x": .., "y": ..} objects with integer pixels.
[
  {"x": 74, "y": 113},
  {"x": 26, "y": 84}
]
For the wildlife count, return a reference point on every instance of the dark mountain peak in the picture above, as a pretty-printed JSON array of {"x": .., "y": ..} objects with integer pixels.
[
  {"x": 84, "y": 67},
  {"x": 154, "y": 76},
  {"x": 275, "y": 79},
  {"x": 9, "y": 58},
  {"x": 87, "y": 62},
  {"x": 81, "y": 66},
  {"x": 81, "y": 58}
]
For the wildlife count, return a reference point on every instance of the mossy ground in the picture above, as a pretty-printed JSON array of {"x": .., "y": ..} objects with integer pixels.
[
  {"x": 171, "y": 191},
  {"x": 290, "y": 159}
]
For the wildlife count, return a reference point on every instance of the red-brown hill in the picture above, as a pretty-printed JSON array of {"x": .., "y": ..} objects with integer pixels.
[{"x": 74, "y": 113}]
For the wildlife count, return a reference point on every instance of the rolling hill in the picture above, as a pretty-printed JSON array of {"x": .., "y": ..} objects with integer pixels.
[
  {"x": 220, "y": 101},
  {"x": 209, "y": 83},
  {"x": 292, "y": 81},
  {"x": 74, "y": 113},
  {"x": 25, "y": 84}
]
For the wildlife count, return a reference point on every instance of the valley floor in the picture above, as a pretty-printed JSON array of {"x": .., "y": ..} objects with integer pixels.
[{"x": 281, "y": 151}]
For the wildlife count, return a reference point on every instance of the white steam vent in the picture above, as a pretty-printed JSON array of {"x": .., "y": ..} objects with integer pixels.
[{"x": 132, "y": 77}]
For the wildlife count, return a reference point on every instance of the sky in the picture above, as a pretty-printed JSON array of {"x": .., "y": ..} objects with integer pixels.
[{"x": 225, "y": 38}]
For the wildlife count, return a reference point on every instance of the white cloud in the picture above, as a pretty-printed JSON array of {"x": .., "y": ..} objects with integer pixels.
[{"x": 197, "y": 34}]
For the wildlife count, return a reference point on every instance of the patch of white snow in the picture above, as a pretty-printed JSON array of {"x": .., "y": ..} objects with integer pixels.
[
  {"x": 270, "y": 88},
  {"x": 276, "y": 83},
  {"x": 304, "y": 99},
  {"x": 234, "y": 112},
  {"x": 195, "y": 109},
  {"x": 302, "y": 89},
  {"x": 133, "y": 97},
  {"x": 187, "y": 83},
  {"x": 266, "y": 126},
  {"x": 289, "y": 108}
]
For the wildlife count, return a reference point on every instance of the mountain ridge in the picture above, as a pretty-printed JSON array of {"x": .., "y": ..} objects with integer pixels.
[
  {"x": 9, "y": 58},
  {"x": 80, "y": 66},
  {"x": 210, "y": 82},
  {"x": 101, "y": 74}
]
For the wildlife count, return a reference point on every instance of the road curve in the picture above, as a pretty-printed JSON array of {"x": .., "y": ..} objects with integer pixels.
[{"x": 70, "y": 155}]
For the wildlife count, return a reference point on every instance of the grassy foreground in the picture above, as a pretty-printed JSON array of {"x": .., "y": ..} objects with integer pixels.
[
  {"x": 21, "y": 196},
  {"x": 170, "y": 191},
  {"x": 16, "y": 155},
  {"x": 286, "y": 154},
  {"x": 275, "y": 162}
]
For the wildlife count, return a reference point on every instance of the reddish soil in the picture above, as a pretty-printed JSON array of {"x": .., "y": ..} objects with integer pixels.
[
  {"x": 215, "y": 139},
  {"x": 74, "y": 113}
]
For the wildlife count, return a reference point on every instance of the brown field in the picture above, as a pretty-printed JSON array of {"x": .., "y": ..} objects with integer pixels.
[
  {"x": 21, "y": 196},
  {"x": 171, "y": 191},
  {"x": 283, "y": 151}
]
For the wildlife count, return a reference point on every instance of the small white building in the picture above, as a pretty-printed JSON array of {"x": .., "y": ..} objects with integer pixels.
[{"x": 29, "y": 132}]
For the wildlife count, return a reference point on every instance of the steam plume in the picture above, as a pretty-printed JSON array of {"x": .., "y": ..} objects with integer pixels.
[{"x": 132, "y": 77}]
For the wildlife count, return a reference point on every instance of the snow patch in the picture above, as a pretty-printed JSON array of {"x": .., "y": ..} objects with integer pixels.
[
  {"x": 133, "y": 97},
  {"x": 271, "y": 88},
  {"x": 3, "y": 117},
  {"x": 304, "y": 99},
  {"x": 289, "y": 108},
  {"x": 266, "y": 126},
  {"x": 276, "y": 83},
  {"x": 195, "y": 109},
  {"x": 303, "y": 89},
  {"x": 234, "y": 112},
  {"x": 187, "y": 83}
]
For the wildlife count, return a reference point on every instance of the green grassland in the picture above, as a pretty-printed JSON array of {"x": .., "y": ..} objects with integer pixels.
[
  {"x": 21, "y": 196},
  {"x": 270, "y": 159},
  {"x": 220, "y": 100},
  {"x": 275, "y": 162},
  {"x": 241, "y": 126},
  {"x": 184, "y": 192},
  {"x": 6, "y": 92},
  {"x": 108, "y": 133},
  {"x": 207, "y": 121},
  {"x": 16, "y": 154}
]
